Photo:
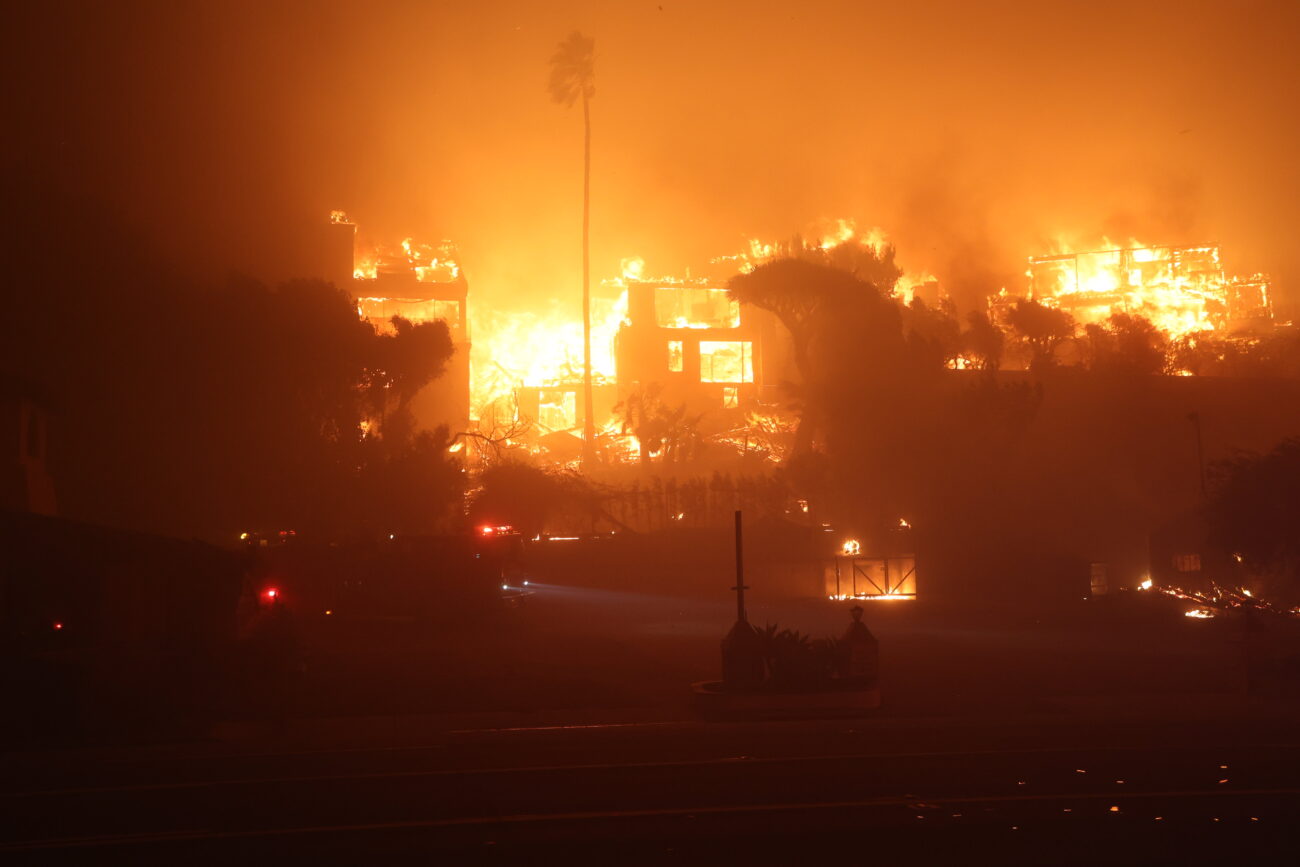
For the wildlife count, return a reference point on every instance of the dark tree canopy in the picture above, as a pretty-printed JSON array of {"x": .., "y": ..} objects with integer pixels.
[
  {"x": 811, "y": 300},
  {"x": 1042, "y": 327},
  {"x": 1127, "y": 344},
  {"x": 203, "y": 409},
  {"x": 982, "y": 341},
  {"x": 526, "y": 497}
]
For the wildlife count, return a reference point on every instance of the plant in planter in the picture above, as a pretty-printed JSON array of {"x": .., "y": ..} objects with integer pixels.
[
  {"x": 791, "y": 674},
  {"x": 796, "y": 662}
]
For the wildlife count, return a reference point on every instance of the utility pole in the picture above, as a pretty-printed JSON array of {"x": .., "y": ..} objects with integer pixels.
[{"x": 743, "y": 664}]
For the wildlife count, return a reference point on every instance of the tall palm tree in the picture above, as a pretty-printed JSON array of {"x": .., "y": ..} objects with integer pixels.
[{"x": 573, "y": 77}]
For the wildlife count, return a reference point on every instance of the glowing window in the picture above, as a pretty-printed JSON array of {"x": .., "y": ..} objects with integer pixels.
[
  {"x": 695, "y": 307},
  {"x": 557, "y": 410},
  {"x": 380, "y": 311},
  {"x": 675, "y": 356},
  {"x": 726, "y": 361},
  {"x": 730, "y": 397}
]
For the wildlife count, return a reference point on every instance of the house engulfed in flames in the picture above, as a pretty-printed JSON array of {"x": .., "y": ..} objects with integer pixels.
[
  {"x": 679, "y": 342},
  {"x": 420, "y": 283},
  {"x": 1181, "y": 290}
]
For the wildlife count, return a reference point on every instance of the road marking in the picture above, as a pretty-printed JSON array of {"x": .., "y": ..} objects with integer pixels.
[{"x": 599, "y": 815}]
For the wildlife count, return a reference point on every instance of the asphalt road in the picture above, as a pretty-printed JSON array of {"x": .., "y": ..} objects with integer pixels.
[{"x": 1049, "y": 789}]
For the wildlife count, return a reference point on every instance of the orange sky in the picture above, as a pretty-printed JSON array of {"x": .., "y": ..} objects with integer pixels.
[{"x": 973, "y": 132}]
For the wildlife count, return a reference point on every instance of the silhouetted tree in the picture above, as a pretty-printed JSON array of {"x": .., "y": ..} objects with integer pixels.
[
  {"x": 196, "y": 409},
  {"x": 401, "y": 364},
  {"x": 933, "y": 330},
  {"x": 1126, "y": 344},
  {"x": 1205, "y": 353},
  {"x": 816, "y": 303},
  {"x": 1042, "y": 327},
  {"x": 659, "y": 428},
  {"x": 408, "y": 485},
  {"x": 866, "y": 384},
  {"x": 529, "y": 498},
  {"x": 573, "y": 78},
  {"x": 868, "y": 262},
  {"x": 982, "y": 341}
]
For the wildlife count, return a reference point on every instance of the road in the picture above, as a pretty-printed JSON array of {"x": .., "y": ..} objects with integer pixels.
[{"x": 1048, "y": 788}]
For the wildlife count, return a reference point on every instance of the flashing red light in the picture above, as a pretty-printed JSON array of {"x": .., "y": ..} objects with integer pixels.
[
  {"x": 272, "y": 593},
  {"x": 58, "y": 624},
  {"x": 488, "y": 531}
]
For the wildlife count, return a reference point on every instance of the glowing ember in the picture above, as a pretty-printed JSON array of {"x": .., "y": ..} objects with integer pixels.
[{"x": 1219, "y": 598}]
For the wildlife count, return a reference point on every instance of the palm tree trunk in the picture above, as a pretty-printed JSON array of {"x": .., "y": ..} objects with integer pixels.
[{"x": 589, "y": 419}]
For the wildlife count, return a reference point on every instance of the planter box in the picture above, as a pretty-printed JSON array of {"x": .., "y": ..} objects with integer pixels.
[{"x": 848, "y": 699}]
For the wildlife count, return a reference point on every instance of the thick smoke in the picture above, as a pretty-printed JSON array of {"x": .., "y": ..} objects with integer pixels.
[{"x": 227, "y": 129}]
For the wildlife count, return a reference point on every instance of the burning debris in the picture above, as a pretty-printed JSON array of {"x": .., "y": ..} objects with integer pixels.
[{"x": 1219, "y": 599}]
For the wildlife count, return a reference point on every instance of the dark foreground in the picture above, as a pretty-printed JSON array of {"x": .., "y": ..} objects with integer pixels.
[
  {"x": 1141, "y": 786},
  {"x": 559, "y": 733}
]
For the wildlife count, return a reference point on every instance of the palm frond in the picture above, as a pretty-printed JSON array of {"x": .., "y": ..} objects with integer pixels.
[{"x": 573, "y": 73}]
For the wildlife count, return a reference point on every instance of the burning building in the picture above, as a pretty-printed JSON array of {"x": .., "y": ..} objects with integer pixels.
[
  {"x": 1179, "y": 289},
  {"x": 700, "y": 345},
  {"x": 420, "y": 283},
  {"x": 684, "y": 340}
]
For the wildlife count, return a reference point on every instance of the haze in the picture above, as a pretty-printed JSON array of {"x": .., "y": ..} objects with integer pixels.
[{"x": 231, "y": 129}]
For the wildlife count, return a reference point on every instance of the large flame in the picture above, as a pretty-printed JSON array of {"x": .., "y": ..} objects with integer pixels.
[
  {"x": 539, "y": 348},
  {"x": 828, "y": 235},
  {"x": 1181, "y": 290}
]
